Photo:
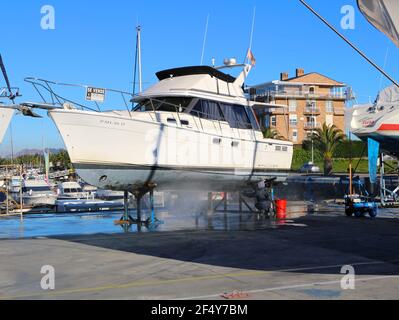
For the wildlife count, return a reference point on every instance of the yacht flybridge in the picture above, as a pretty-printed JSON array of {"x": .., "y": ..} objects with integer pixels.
[{"x": 193, "y": 129}]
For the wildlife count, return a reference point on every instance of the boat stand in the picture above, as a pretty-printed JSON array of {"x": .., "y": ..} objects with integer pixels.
[
  {"x": 127, "y": 220},
  {"x": 262, "y": 193},
  {"x": 389, "y": 198},
  {"x": 224, "y": 202}
]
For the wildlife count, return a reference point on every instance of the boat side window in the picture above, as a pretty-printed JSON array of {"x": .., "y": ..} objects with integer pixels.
[
  {"x": 36, "y": 189},
  {"x": 168, "y": 104},
  {"x": 207, "y": 109},
  {"x": 236, "y": 116},
  {"x": 252, "y": 118}
]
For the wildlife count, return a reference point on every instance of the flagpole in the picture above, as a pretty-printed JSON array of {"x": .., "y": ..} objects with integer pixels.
[
  {"x": 251, "y": 36},
  {"x": 252, "y": 29}
]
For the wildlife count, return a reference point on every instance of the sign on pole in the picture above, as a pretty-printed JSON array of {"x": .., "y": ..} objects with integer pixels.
[{"x": 95, "y": 94}]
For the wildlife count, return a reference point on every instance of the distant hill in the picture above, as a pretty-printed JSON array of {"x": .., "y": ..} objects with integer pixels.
[{"x": 25, "y": 152}]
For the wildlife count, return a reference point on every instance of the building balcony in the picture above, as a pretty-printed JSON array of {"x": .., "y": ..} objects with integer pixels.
[
  {"x": 339, "y": 112},
  {"x": 311, "y": 126},
  {"x": 311, "y": 110},
  {"x": 302, "y": 95}
]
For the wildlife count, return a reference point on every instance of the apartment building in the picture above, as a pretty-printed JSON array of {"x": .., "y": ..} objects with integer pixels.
[{"x": 310, "y": 100}]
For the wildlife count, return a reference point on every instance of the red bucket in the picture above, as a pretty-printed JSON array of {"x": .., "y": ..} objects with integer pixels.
[{"x": 281, "y": 208}]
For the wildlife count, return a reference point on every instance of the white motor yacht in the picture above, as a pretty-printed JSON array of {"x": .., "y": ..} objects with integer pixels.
[
  {"x": 195, "y": 128},
  {"x": 72, "y": 190},
  {"x": 37, "y": 193}
]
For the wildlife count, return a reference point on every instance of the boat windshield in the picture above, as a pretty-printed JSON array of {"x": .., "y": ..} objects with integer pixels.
[
  {"x": 169, "y": 104},
  {"x": 36, "y": 189},
  {"x": 73, "y": 190}
]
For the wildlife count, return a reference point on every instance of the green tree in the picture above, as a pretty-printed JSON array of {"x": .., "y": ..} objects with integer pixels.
[
  {"x": 326, "y": 140},
  {"x": 271, "y": 134}
]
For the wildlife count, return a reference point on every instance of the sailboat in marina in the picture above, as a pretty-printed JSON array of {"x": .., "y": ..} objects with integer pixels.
[
  {"x": 7, "y": 111},
  {"x": 6, "y": 114}
]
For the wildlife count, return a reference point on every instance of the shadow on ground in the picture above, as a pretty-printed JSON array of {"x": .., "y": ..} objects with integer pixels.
[{"x": 314, "y": 242}]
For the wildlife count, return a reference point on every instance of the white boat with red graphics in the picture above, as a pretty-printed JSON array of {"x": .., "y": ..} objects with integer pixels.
[{"x": 378, "y": 121}]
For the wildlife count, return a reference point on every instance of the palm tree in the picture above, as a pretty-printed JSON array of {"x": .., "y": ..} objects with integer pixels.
[
  {"x": 269, "y": 133},
  {"x": 326, "y": 140}
]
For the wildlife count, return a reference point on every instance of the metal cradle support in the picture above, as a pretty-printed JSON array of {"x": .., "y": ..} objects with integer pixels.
[
  {"x": 139, "y": 193},
  {"x": 262, "y": 193},
  {"x": 388, "y": 197}
]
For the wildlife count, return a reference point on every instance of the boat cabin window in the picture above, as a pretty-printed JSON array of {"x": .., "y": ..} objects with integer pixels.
[
  {"x": 36, "y": 189},
  {"x": 236, "y": 116},
  {"x": 252, "y": 118},
  {"x": 73, "y": 190},
  {"x": 206, "y": 109},
  {"x": 169, "y": 104}
]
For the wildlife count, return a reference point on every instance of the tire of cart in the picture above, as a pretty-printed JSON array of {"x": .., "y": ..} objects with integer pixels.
[{"x": 373, "y": 213}]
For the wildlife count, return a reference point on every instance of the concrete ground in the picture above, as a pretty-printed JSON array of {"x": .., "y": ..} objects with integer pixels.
[{"x": 299, "y": 259}]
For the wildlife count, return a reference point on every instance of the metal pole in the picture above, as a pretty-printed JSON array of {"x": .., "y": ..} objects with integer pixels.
[
  {"x": 20, "y": 194},
  {"x": 350, "y": 180},
  {"x": 382, "y": 180},
  {"x": 138, "y": 200},
  {"x": 139, "y": 58},
  {"x": 125, "y": 206},
  {"x": 350, "y": 43},
  {"x": 7, "y": 191},
  {"x": 152, "y": 206},
  {"x": 314, "y": 122}
]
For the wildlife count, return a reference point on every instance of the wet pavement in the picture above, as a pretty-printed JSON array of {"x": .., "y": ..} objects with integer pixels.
[
  {"x": 198, "y": 254},
  {"x": 47, "y": 225}
]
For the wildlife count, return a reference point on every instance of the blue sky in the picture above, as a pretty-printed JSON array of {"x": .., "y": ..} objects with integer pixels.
[{"x": 93, "y": 43}]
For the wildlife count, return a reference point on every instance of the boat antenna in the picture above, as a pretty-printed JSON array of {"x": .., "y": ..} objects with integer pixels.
[
  {"x": 350, "y": 43},
  {"x": 137, "y": 63},
  {"x": 205, "y": 37}
]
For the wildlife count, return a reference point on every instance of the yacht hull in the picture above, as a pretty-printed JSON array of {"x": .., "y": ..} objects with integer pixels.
[
  {"x": 379, "y": 125},
  {"x": 116, "y": 152},
  {"x": 39, "y": 201}
]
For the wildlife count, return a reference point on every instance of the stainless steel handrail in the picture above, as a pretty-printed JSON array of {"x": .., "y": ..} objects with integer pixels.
[{"x": 57, "y": 99}]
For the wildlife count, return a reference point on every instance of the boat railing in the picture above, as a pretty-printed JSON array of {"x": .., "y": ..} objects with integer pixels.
[
  {"x": 4, "y": 92},
  {"x": 47, "y": 92}
]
